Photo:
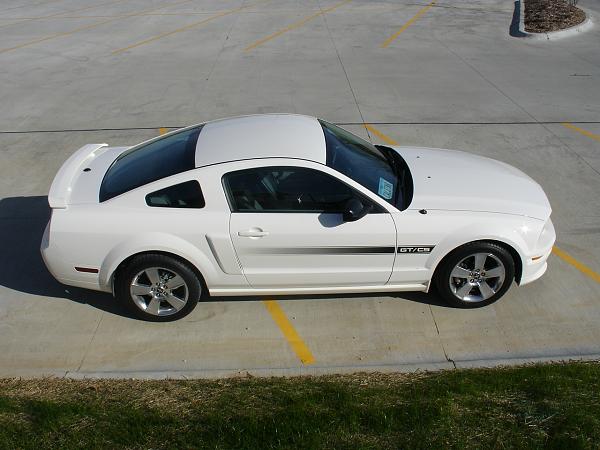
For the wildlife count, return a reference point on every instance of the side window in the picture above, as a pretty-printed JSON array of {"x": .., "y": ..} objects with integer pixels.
[
  {"x": 183, "y": 195},
  {"x": 286, "y": 189}
]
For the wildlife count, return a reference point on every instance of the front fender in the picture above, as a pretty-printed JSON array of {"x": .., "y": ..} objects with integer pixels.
[{"x": 520, "y": 234}]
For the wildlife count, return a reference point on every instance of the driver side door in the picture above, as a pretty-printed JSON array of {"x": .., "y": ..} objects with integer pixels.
[{"x": 288, "y": 230}]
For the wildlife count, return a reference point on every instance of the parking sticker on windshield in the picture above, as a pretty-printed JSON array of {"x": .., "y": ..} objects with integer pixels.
[{"x": 386, "y": 189}]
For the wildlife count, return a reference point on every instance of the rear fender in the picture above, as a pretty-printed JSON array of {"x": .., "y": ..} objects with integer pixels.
[{"x": 155, "y": 242}]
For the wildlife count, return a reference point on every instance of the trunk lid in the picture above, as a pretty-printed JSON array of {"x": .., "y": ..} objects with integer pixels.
[{"x": 78, "y": 180}]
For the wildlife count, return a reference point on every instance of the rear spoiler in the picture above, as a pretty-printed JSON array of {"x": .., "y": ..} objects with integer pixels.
[{"x": 60, "y": 191}]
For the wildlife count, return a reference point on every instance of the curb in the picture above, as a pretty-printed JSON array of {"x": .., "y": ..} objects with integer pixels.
[
  {"x": 338, "y": 370},
  {"x": 431, "y": 366},
  {"x": 552, "y": 35}
]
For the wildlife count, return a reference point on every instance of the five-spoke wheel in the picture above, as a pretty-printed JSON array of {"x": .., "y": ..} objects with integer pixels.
[
  {"x": 475, "y": 274},
  {"x": 158, "y": 287},
  {"x": 159, "y": 291}
]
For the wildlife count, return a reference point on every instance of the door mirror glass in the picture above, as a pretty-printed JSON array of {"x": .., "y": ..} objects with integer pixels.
[{"x": 355, "y": 210}]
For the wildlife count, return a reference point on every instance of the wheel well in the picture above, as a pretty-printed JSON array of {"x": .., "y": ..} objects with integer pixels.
[
  {"x": 515, "y": 256},
  {"x": 157, "y": 252}
]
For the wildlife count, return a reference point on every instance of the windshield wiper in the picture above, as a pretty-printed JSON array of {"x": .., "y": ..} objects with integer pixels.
[{"x": 389, "y": 152}]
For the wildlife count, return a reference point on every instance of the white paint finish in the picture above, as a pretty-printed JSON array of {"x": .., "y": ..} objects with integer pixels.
[
  {"x": 224, "y": 253},
  {"x": 103, "y": 235},
  {"x": 457, "y": 181},
  {"x": 62, "y": 186},
  {"x": 261, "y": 136},
  {"x": 283, "y": 257},
  {"x": 448, "y": 230},
  {"x": 468, "y": 198},
  {"x": 324, "y": 290},
  {"x": 86, "y": 184}
]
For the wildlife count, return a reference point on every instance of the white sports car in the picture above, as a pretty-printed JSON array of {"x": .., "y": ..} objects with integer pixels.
[{"x": 288, "y": 204}]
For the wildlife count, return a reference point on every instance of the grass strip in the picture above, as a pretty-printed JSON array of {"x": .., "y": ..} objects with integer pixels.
[{"x": 548, "y": 405}]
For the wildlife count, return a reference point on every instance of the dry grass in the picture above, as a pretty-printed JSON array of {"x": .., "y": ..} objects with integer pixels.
[{"x": 534, "y": 406}]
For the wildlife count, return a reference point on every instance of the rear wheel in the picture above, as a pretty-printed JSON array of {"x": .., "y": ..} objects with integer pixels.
[
  {"x": 475, "y": 275},
  {"x": 158, "y": 288}
]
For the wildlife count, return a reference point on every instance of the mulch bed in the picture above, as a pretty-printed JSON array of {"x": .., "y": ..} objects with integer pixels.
[{"x": 551, "y": 15}]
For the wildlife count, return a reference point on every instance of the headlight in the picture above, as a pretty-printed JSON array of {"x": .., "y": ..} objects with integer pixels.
[{"x": 547, "y": 236}]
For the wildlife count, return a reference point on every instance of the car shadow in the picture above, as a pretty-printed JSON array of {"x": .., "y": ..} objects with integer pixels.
[
  {"x": 417, "y": 297},
  {"x": 22, "y": 223}
]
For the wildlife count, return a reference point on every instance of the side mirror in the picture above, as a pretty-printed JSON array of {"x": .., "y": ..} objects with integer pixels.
[{"x": 354, "y": 210}]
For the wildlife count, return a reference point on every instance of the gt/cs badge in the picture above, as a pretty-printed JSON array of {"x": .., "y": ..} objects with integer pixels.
[{"x": 416, "y": 249}]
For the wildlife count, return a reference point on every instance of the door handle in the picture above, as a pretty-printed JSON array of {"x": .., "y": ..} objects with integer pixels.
[{"x": 253, "y": 233}]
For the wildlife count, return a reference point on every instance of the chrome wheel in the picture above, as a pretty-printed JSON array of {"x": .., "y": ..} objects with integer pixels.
[
  {"x": 159, "y": 291},
  {"x": 477, "y": 277}
]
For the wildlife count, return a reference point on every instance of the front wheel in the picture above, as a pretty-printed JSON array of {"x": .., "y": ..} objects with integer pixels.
[
  {"x": 158, "y": 288},
  {"x": 475, "y": 275}
]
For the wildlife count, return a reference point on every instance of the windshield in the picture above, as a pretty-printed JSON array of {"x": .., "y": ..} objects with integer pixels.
[
  {"x": 161, "y": 158},
  {"x": 379, "y": 169}
]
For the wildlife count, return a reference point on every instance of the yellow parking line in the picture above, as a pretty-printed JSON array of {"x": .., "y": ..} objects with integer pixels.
[
  {"x": 25, "y": 6},
  {"x": 59, "y": 14},
  {"x": 578, "y": 265},
  {"x": 87, "y": 27},
  {"x": 88, "y": 16},
  {"x": 412, "y": 20},
  {"x": 162, "y": 131},
  {"x": 596, "y": 137},
  {"x": 380, "y": 135},
  {"x": 289, "y": 332},
  {"x": 116, "y": 16},
  {"x": 294, "y": 25},
  {"x": 179, "y": 30}
]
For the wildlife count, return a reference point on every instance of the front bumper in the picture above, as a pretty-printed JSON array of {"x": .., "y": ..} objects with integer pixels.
[{"x": 535, "y": 265}]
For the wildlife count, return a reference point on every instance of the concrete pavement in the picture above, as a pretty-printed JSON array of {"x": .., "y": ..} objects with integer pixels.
[{"x": 453, "y": 78}]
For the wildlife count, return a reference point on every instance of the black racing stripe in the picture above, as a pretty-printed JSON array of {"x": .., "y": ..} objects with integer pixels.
[{"x": 324, "y": 250}]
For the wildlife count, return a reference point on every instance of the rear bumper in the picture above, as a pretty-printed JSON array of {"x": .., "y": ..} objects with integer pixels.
[{"x": 62, "y": 269}]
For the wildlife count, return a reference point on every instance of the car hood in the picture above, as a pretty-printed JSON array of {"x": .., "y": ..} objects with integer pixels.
[{"x": 459, "y": 181}]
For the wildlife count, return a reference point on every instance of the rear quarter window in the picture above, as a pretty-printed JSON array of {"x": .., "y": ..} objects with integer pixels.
[
  {"x": 182, "y": 195},
  {"x": 149, "y": 162}
]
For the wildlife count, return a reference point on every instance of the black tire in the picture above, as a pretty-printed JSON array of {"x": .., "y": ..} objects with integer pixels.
[
  {"x": 166, "y": 266},
  {"x": 447, "y": 285}
]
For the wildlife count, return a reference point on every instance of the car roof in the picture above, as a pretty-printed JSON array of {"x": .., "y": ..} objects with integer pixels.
[{"x": 261, "y": 136}]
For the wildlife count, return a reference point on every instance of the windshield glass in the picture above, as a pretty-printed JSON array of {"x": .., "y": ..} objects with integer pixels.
[
  {"x": 149, "y": 162},
  {"x": 363, "y": 162}
]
